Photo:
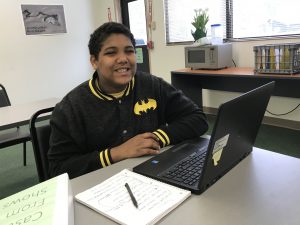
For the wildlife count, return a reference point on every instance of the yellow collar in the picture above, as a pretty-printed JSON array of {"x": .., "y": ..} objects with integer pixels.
[{"x": 95, "y": 89}]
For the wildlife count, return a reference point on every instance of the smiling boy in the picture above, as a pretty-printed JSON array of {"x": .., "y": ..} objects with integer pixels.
[{"x": 120, "y": 113}]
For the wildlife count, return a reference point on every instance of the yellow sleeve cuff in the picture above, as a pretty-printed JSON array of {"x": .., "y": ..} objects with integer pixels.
[
  {"x": 163, "y": 137},
  {"x": 105, "y": 158}
]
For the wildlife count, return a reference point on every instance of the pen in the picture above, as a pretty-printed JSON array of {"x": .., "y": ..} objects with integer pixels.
[{"x": 131, "y": 195}]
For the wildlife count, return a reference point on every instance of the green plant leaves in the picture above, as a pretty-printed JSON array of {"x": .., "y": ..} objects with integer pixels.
[{"x": 200, "y": 20}]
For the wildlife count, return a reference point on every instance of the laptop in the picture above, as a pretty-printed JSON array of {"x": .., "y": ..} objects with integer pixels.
[{"x": 232, "y": 139}]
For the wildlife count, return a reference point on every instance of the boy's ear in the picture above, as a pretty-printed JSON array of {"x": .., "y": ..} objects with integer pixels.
[{"x": 93, "y": 61}]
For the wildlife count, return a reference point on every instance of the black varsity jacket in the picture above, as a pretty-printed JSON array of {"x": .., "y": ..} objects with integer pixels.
[{"x": 88, "y": 122}]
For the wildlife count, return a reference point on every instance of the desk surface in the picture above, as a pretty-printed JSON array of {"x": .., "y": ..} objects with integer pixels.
[
  {"x": 234, "y": 79},
  {"x": 240, "y": 71},
  {"x": 17, "y": 115},
  {"x": 263, "y": 189}
]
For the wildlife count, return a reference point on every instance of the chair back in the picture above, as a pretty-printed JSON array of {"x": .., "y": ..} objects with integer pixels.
[
  {"x": 40, "y": 135},
  {"x": 4, "y": 100}
]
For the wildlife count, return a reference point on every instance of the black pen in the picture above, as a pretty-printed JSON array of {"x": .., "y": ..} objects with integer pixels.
[{"x": 131, "y": 195}]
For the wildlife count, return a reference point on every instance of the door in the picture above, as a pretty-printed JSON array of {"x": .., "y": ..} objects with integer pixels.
[{"x": 134, "y": 17}]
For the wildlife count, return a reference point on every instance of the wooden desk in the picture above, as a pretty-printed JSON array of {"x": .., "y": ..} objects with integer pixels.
[
  {"x": 18, "y": 115},
  {"x": 263, "y": 189},
  {"x": 234, "y": 79}
]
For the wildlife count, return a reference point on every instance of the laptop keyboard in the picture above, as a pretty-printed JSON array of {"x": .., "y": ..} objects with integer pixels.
[{"x": 188, "y": 170}]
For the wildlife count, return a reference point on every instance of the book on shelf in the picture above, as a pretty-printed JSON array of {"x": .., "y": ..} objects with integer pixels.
[
  {"x": 47, "y": 203},
  {"x": 154, "y": 199}
]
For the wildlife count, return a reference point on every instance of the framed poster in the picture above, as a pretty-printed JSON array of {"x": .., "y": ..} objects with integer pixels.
[{"x": 44, "y": 19}]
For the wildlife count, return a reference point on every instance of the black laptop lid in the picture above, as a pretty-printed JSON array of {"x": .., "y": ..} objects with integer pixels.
[
  {"x": 232, "y": 139},
  {"x": 234, "y": 132}
]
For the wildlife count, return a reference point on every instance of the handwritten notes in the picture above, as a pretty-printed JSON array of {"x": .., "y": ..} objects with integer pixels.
[{"x": 155, "y": 199}]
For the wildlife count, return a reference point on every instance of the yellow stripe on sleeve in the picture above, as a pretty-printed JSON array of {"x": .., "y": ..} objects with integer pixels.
[
  {"x": 160, "y": 137},
  {"x": 107, "y": 158},
  {"x": 165, "y": 135},
  {"x": 102, "y": 160}
]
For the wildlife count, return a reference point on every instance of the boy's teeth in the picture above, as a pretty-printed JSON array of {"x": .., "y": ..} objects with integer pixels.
[{"x": 122, "y": 70}]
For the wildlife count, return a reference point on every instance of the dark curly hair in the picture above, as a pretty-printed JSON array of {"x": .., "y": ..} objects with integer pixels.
[{"x": 103, "y": 32}]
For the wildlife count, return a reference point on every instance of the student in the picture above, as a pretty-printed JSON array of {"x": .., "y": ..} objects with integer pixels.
[{"x": 120, "y": 113}]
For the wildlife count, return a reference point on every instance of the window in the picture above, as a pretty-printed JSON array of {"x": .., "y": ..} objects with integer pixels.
[
  {"x": 258, "y": 18},
  {"x": 133, "y": 16},
  {"x": 137, "y": 19},
  {"x": 180, "y": 13},
  {"x": 239, "y": 19}
]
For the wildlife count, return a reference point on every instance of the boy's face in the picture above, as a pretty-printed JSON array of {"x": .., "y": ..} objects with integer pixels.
[{"x": 116, "y": 63}]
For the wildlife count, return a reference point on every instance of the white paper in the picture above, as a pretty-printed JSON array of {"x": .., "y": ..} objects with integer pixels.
[{"x": 155, "y": 199}]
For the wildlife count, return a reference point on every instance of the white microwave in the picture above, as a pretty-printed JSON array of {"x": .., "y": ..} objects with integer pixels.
[{"x": 208, "y": 56}]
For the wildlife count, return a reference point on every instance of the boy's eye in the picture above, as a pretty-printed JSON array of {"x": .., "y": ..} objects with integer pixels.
[
  {"x": 130, "y": 50},
  {"x": 109, "y": 53},
  {"x": 114, "y": 52}
]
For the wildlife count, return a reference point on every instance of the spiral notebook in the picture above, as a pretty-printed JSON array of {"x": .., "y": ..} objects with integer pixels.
[{"x": 111, "y": 198}]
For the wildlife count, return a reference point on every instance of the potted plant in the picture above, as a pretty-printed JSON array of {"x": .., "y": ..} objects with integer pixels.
[{"x": 200, "y": 20}]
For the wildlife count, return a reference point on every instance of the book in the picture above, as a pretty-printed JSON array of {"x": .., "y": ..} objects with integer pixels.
[
  {"x": 47, "y": 203},
  {"x": 111, "y": 198}
]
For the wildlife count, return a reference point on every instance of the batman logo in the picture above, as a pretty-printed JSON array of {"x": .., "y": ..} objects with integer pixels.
[{"x": 144, "y": 105}]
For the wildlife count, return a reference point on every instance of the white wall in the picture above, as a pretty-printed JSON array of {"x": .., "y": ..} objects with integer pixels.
[
  {"x": 34, "y": 67},
  {"x": 37, "y": 67}
]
